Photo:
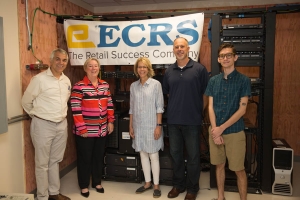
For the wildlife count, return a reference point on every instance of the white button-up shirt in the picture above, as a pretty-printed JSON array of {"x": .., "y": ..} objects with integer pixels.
[{"x": 47, "y": 96}]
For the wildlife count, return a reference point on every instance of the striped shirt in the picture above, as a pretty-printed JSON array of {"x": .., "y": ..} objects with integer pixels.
[
  {"x": 226, "y": 95},
  {"x": 92, "y": 108},
  {"x": 145, "y": 102}
]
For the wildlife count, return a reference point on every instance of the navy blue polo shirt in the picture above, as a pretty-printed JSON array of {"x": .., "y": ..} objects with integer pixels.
[
  {"x": 226, "y": 95},
  {"x": 185, "y": 88}
]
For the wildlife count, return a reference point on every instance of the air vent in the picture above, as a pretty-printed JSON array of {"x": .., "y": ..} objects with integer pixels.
[{"x": 283, "y": 189}]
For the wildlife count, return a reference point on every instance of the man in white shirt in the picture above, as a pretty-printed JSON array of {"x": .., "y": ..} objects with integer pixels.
[{"x": 45, "y": 100}]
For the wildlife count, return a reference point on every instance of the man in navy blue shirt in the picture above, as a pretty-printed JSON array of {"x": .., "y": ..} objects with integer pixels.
[
  {"x": 185, "y": 82},
  {"x": 228, "y": 95}
]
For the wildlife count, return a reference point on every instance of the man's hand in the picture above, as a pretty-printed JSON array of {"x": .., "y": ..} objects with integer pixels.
[
  {"x": 216, "y": 132},
  {"x": 219, "y": 140}
]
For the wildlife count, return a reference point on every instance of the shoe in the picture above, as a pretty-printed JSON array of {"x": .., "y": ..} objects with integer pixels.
[
  {"x": 175, "y": 192},
  {"x": 58, "y": 197},
  {"x": 142, "y": 189},
  {"x": 100, "y": 190},
  {"x": 86, "y": 194},
  {"x": 156, "y": 193},
  {"x": 217, "y": 199},
  {"x": 190, "y": 196}
]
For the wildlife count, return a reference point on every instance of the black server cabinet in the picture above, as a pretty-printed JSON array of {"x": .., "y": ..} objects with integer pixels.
[
  {"x": 125, "y": 141},
  {"x": 113, "y": 140},
  {"x": 123, "y": 168}
]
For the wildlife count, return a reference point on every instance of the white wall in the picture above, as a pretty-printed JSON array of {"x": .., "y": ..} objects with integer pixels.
[{"x": 12, "y": 178}]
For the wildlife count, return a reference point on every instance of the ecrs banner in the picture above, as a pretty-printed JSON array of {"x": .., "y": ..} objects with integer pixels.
[{"x": 122, "y": 42}]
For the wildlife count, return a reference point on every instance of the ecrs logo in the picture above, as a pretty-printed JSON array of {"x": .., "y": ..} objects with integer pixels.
[
  {"x": 132, "y": 35},
  {"x": 122, "y": 42},
  {"x": 73, "y": 31}
]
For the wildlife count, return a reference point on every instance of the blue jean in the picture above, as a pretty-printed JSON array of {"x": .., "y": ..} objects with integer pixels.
[{"x": 188, "y": 136}]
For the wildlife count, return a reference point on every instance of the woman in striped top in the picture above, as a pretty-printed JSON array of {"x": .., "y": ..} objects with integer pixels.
[{"x": 93, "y": 116}]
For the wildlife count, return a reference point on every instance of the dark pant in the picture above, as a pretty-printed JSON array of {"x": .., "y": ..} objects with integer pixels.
[
  {"x": 188, "y": 136},
  {"x": 90, "y": 153}
]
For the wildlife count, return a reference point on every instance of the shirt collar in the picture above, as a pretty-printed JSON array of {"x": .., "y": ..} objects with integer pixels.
[
  {"x": 49, "y": 73},
  {"x": 231, "y": 75},
  {"x": 87, "y": 81},
  {"x": 147, "y": 82},
  {"x": 189, "y": 64}
]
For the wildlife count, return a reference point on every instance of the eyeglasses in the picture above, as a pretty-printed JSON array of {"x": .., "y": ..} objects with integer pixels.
[
  {"x": 142, "y": 67},
  {"x": 227, "y": 55}
]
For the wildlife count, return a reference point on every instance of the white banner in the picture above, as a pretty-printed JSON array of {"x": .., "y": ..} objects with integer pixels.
[{"x": 122, "y": 42}]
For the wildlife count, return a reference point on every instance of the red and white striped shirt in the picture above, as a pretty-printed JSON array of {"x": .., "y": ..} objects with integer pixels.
[{"x": 92, "y": 108}]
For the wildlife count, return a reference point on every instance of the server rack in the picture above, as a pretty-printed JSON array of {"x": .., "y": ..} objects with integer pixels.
[{"x": 123, "y": 168}]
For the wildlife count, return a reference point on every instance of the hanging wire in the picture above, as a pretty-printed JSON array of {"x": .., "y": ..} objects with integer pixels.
[
  {"x": 27, "y": 24},
  {"x": 32, "y": 28}
]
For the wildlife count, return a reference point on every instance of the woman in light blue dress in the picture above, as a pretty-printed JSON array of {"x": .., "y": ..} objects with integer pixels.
[{"x": 145, "y": 128}]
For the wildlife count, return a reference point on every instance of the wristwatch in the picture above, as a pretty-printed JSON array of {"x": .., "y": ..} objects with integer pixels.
[{"x": 158, "y": 124}]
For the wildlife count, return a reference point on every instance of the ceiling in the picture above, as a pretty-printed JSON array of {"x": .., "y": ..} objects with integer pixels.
[
  {"x": 105, "y": 3},
  {"x": 110, "y": 6}
]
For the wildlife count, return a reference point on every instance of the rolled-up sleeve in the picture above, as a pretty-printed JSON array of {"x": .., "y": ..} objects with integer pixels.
[{"x": 159, "y": 98}]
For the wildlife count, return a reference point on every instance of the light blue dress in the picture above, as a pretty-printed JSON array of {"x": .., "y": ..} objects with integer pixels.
[{"x": 145, "y": 102}]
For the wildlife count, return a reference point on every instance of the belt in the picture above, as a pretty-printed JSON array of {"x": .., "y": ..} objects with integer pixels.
[{"x": 47, "y": 120}]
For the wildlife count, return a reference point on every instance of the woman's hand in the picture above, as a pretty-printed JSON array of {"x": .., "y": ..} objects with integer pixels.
[
  {"x": 131, "y": 132},
  {"x": 110, "y": 128},
  {"x": 157, "y": 132},
  {"x": 84, "y": 135}
]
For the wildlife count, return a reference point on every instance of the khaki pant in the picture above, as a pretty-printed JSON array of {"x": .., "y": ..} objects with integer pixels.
[
  {"x": 234, "y": 148},
  {"x": 49, "y": 140}
]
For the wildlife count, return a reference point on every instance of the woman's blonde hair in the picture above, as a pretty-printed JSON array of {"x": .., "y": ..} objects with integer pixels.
[
  {"x": 87, "y": 62},
  {"x": 146, "y": 62}
]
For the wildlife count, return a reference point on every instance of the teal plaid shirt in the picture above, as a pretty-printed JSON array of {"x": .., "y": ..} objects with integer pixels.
[{"x": 226, "y": 95}]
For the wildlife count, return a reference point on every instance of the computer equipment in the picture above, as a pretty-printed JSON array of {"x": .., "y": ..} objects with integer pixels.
[{"x": 283, "y": 158}]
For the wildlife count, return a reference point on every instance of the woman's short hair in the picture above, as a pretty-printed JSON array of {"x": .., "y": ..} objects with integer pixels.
[
  {"x": 147, "y": 63},
  {"x": 87, "y": 62}
]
